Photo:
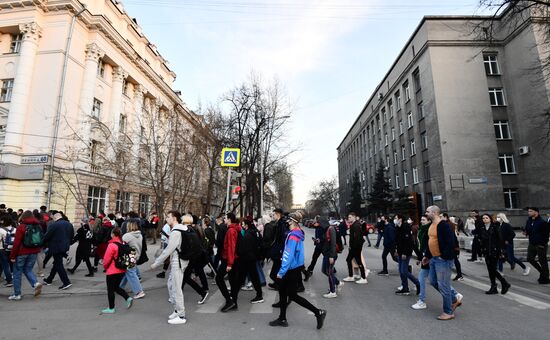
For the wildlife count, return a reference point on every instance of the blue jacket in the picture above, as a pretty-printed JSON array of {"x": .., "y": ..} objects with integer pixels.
[
  {"x": 293, "y": 255},
  {"x": 58, "y": 237},
  {"x": 537, "y": 229},
  {"x": 389, "y": 235}
]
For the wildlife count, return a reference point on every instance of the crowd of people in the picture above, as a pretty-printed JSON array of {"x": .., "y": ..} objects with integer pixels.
[{"x": 239, "y": 249}]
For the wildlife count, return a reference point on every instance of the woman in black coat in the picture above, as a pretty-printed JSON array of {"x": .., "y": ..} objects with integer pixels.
[
  {"x": 491, "y": 246},
  {"x": 85, "y": 237},
  {"x": 508, "y": 235}
]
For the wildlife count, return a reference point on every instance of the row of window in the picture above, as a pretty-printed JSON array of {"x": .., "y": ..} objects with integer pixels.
[
  {"x": 6, "y": 90},
  {"x": 96, "y": 113},
  {"x": 97, "y": 199}
]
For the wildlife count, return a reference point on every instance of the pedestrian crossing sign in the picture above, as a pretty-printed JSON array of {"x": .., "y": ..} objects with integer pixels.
[{"x": 231, "y": 157}]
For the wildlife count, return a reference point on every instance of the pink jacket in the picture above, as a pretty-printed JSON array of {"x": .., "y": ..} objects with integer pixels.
[{"x": 109, "y": 259}]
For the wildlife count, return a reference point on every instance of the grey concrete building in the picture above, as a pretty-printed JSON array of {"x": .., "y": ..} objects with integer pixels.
[{"x": 458, "y": 120}]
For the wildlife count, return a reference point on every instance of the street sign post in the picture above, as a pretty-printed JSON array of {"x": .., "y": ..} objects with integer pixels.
[{"x": 231, "y": 157}]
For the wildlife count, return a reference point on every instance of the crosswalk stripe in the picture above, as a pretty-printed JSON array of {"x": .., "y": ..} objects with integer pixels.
[{"x": 524, "y": 300}]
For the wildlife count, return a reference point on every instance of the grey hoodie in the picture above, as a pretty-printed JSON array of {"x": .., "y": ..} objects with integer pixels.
[{"x": 134, "y": 240}]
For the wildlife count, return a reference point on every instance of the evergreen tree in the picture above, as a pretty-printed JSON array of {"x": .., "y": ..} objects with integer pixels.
[
  {"x": 403, "y": 204},
  {"x": 380, "y": 198},
  {"x": 356, "y": 200}
]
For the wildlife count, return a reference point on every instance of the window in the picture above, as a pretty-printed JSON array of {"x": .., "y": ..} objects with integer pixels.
[
  {"x": 395, "y": 157},
  {"x": 491, "y": 64},
  {"x": 397, "y": 181},
  {"x": 122, "y": 123},
  {"x": 400, "y": 127},
  {"x": 6, "y": 91},
  {"x": 420, "y": 110},
  {"x": 410, "y": 121},
  {"x": 392, "y": 133},
  {"x": 384, "y": 115},
  {"x": 96, "y": 109},
  {"x": 496, "y": 97},
  {"x": 424, "y": 140},
  {"x": 397, "y": 101},
  {"x": 427, "y": 174},
  {"x": 386, "y": 139},
  {"x": 405, "y": 179},
  {"x": 413, "y": 147},
  {"x": 387, "y": 161},
  {"x": 502, "y": 129},
  {"x": 507, "y": 164},
  {"x": 143, "y": 204},
  {"x": 125, "y": 86},
  {"x": 416, "y": 80},
  {"x": 429, "y": 199},
  {"x": 94, "y": 146},
  {"x": 390, "y": 108},
  {"x": 101, "y": 68},
  {"x": 403, "y": 152},
  {"x": 96, "y": 199},
  {"x": 123, "y": 201},
  {"x": 15, "y": 45},
  {"x": 407, "y": 91},
  {"x": 415, "y": 175},
  {"x": 511, "y": 198}
]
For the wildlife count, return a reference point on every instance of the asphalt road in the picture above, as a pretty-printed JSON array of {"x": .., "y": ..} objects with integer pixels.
[{"x": 369, "y": 311}]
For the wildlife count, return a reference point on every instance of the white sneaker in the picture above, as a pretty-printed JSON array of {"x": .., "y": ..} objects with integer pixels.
[
  {"x": 14, "y": 297},
  {"x": 361, "y": 281},
  {"x": 180, "y": 320},
  {"x": 367, "y": 272},
  {"x": 139, "y": 295},
  {"x": 526, "y": 271},
  {"x": 479, "y": 261},
  {"x": 37, "y": 289},
  {"x": 330, "y": 295},
  {"x": 459, "y": 297},
  {"x": 340, "y": 285},
  {"x": 399, "y": 288},
  {"x": 173, "y": 315},
  {"x": 419, "y": 305},
  {"x": 247, "y": 288},
  {"x": 349, "y": 279}
]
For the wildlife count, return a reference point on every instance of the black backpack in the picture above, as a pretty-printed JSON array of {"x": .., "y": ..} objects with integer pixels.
[
  {"x": 126, "y": 257},
  {"x": 191, "y": 247}
]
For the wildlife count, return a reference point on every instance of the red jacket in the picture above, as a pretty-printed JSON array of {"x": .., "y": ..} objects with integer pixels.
[
  {"x": 230, "y": 244},
  {"x": 110, "y": 255},
  {"x": 18, "y": 247}
]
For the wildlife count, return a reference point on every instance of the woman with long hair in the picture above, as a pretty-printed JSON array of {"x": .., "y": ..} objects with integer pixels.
[
  {"x": 508, "y": 235},
  {"x": 492, "y": 250}
]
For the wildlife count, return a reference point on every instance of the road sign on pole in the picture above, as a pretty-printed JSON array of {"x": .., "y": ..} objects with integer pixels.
[{"x": 231, "y": 157}]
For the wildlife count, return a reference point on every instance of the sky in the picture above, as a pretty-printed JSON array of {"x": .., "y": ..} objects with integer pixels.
[{"x": 329, "y": 55}]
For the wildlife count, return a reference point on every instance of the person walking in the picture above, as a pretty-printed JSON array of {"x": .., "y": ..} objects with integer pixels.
[
  {"x": 102, "y": 236},
  {"x": 317, "y": 241},
  {"x": 177, "y": 265},
  {"x": 491, "y": 247},
  {"x": 454, "y": 227},
  {"x": 478, "y": 234},
  {"x": 58, "y": 239},
  {"x": 356, "y": 241},
  {"x": 331, "y": 246},
  {"x": 380, "y": 230},
  {"x": 290, "y": 274},
  {"x": 85, "y": 237},
  {"x": 425, "y": 223},
  {"x": 113, "y": 274},
  {"x": 248, "y": 251},
  {"x": 537, "y": 230},
  {"x": 405, "y": 245},
  {"x": 229, "y": 265},
  {"x": 389, "y": 244},
  {"x": 134, "y": 239},
  {"x": 508, "y": 235},
  {"x": 23, "y": 254}
]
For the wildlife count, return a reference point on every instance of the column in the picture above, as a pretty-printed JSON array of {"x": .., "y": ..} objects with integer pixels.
[
  {"x": 21, "y": 89},
  {"x": 116, "y": 95},
  {"x": 87, "y": 89},
  {"x": 139, "y": 91}
]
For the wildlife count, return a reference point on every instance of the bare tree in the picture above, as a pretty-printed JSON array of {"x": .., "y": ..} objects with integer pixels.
[{"x": 326, "y": 192}]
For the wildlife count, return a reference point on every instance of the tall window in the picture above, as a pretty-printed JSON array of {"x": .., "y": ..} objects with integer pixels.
[
  {"x": 96, "y": 199},
  {"x": 400, "y": 127},
  {"x": 403, "y": 152},
  {"x": 96, "y": 109},
  {"x": 388, "y": 161},
  {"x": 415, "y": 175},
  {"x": 395, "y": 157},
  {"x": 511, "y": 198},
  {"x": 15, "y": 45},
  {"x": 397, "y": 181},
  {"x": 390, "y": 108},
  {"x": 416, "y": 80},
  {"x": 407, "y": 91},
  {"x": 413, "y": 147},
  {"x": 101, "y": 68},
  {"x": 496, "y": 97},
  {"x": 507, "y": 164},
  {"x": 410, "y": 121},
  {"x": 143, "y": 203},
  {"x": 6, "y": 91},
  {"x": 502, "y": 129},
  {"x": 384, "y": 114},
  {"x": 491, "y": 64},
  {"x": 123, "y": 201},
  {"x": 122, "y": 123},
  {"x": 125, "y": 86},
  {"x": 386, "y": 139},
  {"x": 427, "y": 174},
  {"x": 420, "y": 110},
  {"x": 405, "y": 179},
  {"x": 397, "y": 101},
  {"x": 392, "y": 133},
  {"x": 424, "y": 140}
]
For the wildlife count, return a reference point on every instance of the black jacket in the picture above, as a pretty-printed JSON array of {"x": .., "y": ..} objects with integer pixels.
[
  {"x": 58, "y": 237},
  {"x": 491, "y": 244},
  {"x": 329, "y": 244},
  {"x": 507, "y": 233},
  {"x": 405, "y": 240},
  {"x": 538, "y": 231},
  {"x": 84, "y": 247},
  {"x": 280, "y": 233},
  {"x": 446, "y": 239},
  {"x": 249, "y": 245},
  {"x": 220, "y": 236},
  {"x": 356, "y": 239}
]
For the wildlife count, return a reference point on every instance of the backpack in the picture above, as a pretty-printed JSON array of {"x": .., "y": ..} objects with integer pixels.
[
  {"x": 89, "y": 234},
  {"x": 9, "y": 239},
  {"x": 126, "y": 257},
  {"x": 34, "y": 236},
  {"x": 241, "y": 247},
  {"x": 339, "y": 245},
  {"x": 191, "y": 247}
]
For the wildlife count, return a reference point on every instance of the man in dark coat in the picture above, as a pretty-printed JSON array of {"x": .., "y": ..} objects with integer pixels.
[{"x": 58, "y": 239}]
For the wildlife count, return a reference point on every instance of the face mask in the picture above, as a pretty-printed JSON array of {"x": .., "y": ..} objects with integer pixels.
[
  {"x": 396, "y": 221},
  {"x": 499, "y": 220},
  {"x": 409, "y": 221}
]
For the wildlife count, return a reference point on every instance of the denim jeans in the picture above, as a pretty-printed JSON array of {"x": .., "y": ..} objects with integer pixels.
[
  {"x": 132, "y": 276},
  {"x": 328, "y": 270},
  {"x": 6, "y": 265},
  {"x": 260, "y": 268},
  {"x": 422, "y": 276},
  {"x": 404, "y": 272},
  {"x": 23, "y": 265},
  {"x": 440, "y": 270},
  {"x": 510, "y": 257}
]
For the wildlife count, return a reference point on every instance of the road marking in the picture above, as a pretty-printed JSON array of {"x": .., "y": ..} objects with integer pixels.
[
  {"x": 524, "y": 300},
  {"x": 265, "y": 307}
]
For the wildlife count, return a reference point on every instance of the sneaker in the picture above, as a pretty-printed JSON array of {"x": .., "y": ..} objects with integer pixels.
[
  {"x": 173, "y": 315},
  {"x": 203, "y": 298},
  {"x": 273, "y": 286},
  {"x": 383, "y": 272},
  {"x": 349, "y": 279},
  {"x": 340, "y": 285},
  {"x": 445, "y": 317},
  {"x": 95, "y": 269},
  {"x": 89, "y": 275},
  {"x": 419, "y": 305},
  {"x": 41, "y": 274},
  {"x": 47, "y": 283},
  {"x": 247, "y": 288},
  {"x": 229, "y": 306},
  {"x": 276, "y": 305},
  {"x": 129, "y": 302},
  {"x": 492, "y": 291},
  {"x": 161, "y": 275},
  {"x": 108, "y": 311},
  {"x": 526, "y": 271},
  {"x": 180, "y": 320},
  {"x": 471, "y": 260},
  {"x": 37, "y": 289},
  {"x": 367, "y": 272},
  {"x": 458, "y": 301},
  {"x": 67, "y": 286},
  {"x": 307, "y": 275},
  {"x": 321, "y": 318},
  {"x": 399, "y": 288},
  {"x": 14, "y": 297},
  {"x": 257, "y": 299},
  {"x": 8, "y": 284},
  {"x": 458, "y": 278},
  {"x": 330, "y": 295},
  {"x": 139, "y": 295},
  {"x": 361, "y": 281},
  {"x": 278, "y": 323},
  {"x": 505, "y": 288},
  {"x": 403, "y": 292},
  {"x": 479, "y": 261}
]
